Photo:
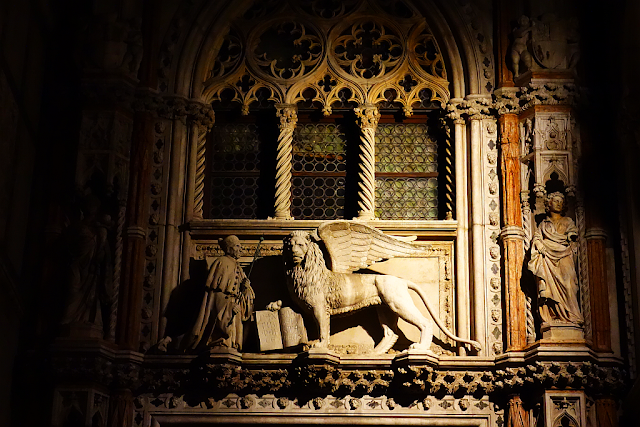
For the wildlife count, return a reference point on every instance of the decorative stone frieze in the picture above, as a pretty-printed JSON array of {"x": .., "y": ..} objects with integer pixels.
[
  {"x": 155, "y": 235},
  {"x": 491, "y": 264},
  {"x": 187, "y": 375},
  {"x": 548, "y": 94}
]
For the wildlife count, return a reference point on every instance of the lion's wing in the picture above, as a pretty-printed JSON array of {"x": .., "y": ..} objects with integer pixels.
[{"x": 352, "y": 246}]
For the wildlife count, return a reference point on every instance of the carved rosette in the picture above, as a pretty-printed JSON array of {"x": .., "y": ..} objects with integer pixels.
[
  {"x": 368, "y": 116},
  {"x": 288, "y": 119}
]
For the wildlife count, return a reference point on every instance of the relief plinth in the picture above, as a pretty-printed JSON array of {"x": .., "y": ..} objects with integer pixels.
[{"x": 556, "y": 331}]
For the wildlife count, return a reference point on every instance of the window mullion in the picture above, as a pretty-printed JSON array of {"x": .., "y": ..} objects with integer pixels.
[{"x": 368, "y": 116}]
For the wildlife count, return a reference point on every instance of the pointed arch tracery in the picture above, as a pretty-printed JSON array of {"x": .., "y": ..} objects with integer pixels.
[{"x": 379, "y": 54}]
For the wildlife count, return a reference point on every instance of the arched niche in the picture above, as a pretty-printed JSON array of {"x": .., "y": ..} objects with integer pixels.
[{"x": 197, "y": 38}]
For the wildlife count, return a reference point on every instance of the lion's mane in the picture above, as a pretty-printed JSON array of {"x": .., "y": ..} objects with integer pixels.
[{"x": 310, "y": 277}]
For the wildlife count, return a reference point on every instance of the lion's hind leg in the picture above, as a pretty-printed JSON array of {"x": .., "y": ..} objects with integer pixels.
[
  {"x": 389, "y": 322},
  {"x": 395, "y": 294}
]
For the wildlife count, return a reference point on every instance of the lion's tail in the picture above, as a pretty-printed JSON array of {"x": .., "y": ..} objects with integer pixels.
[{"x": 435, "y": 318}]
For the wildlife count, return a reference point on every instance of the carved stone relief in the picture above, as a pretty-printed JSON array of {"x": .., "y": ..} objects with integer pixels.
[
  {"x": 79, "y": 406},
  {"x": 546, "y": 42},
  {"x": 565, "y": 409},
  {"x": 335, "y": 290},
  {"x": 430, "y": 266}
]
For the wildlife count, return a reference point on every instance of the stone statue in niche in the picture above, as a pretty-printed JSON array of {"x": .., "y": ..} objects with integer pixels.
[
  {"x": 546, "y": 42},
  {"x": 227, "y": 302},
  {"x": 326, "y": 291},
  {"x": 90, "y": 267},
  {"x": 553, "y": 262},
  {"x": 519, "y": 48}
]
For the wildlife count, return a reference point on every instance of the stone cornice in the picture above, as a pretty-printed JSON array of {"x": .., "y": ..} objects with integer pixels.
[
  {"x": 513, "y": 100},
  {"x": 405, "y": 374},
  {"x": 122, "y": 94}
]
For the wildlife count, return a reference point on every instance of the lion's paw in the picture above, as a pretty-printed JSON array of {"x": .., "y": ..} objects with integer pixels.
[
  {"x": 318, "y": 344},
  {"x": 422, "y": 348}
]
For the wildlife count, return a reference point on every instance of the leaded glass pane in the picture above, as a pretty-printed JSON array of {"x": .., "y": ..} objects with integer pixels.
[
  {"x": 319, "y": 170},
  {"x": 235, "y": 171},
  {"x": 406, "y": 198},
  {"x": 406, "y": 171},
  {"x": 405, "y": 148}
]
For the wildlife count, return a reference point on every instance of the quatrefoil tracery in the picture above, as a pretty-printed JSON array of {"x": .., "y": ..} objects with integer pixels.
[{"x": 358, "y": 59}]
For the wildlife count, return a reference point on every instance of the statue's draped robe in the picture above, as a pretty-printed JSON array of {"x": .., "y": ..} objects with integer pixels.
[
  {"x": 226, "y": 304},
  {"x": 90, "y": 272},
  {"x": 556, "y": 271}
]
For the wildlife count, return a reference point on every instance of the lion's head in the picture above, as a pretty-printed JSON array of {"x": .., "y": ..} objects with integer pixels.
[
  {"x": 303, "y": 259},
  {"x": 295, "y": 247}
]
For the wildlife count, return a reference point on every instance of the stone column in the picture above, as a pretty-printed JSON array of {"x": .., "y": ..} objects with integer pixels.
[
  {"x": 477, "y": 229},
  {"x": 368, "y": 116},
  {"x": 175, "y": 198},
  {"x": 517, "y": 416},
  {"x": 462, "y": 239},
  {"x": 133, "y": 259},
  {"x": 606, "y": 412},
  {"x": 600, "y": 317},
  {"x": 121, "y": 408},
  {"x": 288, "y": 115},
  {"x": 512, "y": 233},
  {"x": 192, "y": 159}
]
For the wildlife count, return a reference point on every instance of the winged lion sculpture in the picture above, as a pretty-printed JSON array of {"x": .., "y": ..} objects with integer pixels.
[{"x": 330, "y": 288}]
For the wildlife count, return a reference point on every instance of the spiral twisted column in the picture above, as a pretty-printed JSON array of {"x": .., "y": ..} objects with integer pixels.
[
  {"x": 288, "y": 114},
  {"x": 200, "y": 174},
  {"x": 368, "y": 116}
]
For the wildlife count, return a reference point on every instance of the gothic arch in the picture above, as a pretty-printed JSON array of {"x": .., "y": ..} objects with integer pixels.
[{"x": 197, "y": 30}]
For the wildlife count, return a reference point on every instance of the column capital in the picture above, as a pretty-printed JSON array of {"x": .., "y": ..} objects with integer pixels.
[
  {"x": 368, "y": 116},
  {"x": 288, "y": 115}
]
